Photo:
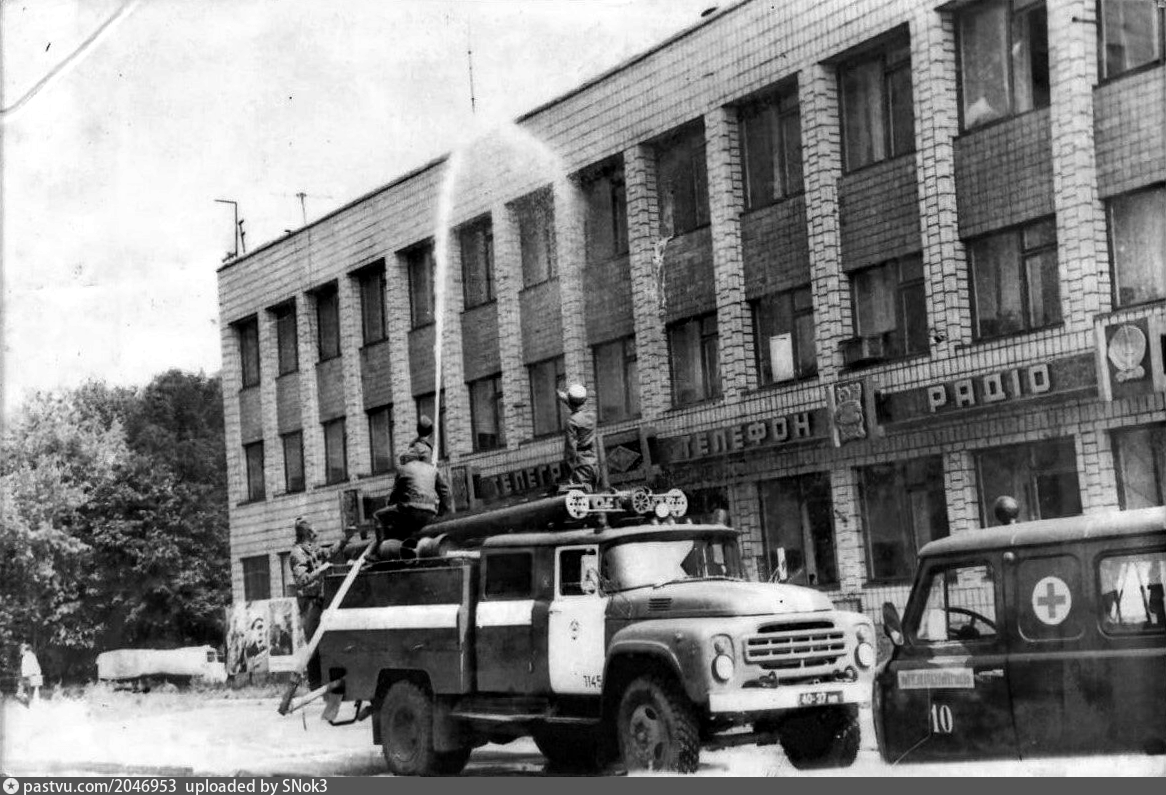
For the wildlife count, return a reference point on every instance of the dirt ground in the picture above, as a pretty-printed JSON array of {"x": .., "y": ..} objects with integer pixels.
[{"x": 227, "y": 733}]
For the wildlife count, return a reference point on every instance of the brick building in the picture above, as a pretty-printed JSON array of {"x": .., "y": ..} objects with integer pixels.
[{"x": 849, "y": 269}]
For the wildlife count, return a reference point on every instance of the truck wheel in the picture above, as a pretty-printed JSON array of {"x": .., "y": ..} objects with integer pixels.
[
  {"x": 407, "y": 731},
  {"x": 657, "y": 727},
  {"x": 568, "y": 749},
  {"x": 816, "y": 738}
]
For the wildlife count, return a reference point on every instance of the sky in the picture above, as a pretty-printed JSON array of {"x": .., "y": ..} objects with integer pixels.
[{"x": 110, "y": 168}]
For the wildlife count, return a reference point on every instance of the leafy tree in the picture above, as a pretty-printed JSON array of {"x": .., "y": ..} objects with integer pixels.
[{"x": 113, "y": 520}]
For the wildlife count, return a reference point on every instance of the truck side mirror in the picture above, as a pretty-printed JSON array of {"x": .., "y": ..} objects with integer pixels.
[{"x": 891, "y": 624}]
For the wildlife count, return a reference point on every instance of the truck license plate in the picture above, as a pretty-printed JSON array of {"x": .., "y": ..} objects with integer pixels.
[{"x": 820, "y": 699}]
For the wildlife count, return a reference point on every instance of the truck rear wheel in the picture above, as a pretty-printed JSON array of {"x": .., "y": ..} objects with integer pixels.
[
  {"x": 407, "y": 732},
  {"x": 822, "y": 737},
  {"x": 657, "y": 727},
  {"x": 568, "y": 748}
]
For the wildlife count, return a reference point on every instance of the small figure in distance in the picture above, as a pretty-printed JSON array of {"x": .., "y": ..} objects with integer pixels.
[
  {"x": 579, "y": 440},
  {"x": 31, "y": 679}
]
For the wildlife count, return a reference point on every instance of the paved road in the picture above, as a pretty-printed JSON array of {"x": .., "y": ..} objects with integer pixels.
[{"x": 184, "y": 734}]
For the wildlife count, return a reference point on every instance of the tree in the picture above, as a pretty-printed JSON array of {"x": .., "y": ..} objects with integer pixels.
[{"x": 113, "y": 520}]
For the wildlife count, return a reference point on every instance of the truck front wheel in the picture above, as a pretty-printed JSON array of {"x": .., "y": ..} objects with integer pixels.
[
  {"x": 407, "y": 731},
  {"x": 821, "y": 737},
  {"x": 657, "y": 727}
]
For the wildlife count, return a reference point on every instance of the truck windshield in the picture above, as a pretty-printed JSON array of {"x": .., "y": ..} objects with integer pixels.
[{"x": 640, "y": 563}]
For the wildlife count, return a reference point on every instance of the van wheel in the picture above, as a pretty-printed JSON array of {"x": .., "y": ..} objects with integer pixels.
[
  {"x": 824, "y": 737},
  {"x": 407, "y": 731},
  {"x": 568, "y": 749},
  {"x": 657, "y": 727}
]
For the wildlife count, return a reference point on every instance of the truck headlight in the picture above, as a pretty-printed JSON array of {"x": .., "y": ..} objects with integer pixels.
[
  {"x": 864, "y": 651},
  {"x": 723, "y": 667},
  {"x": 723, "y": 657}
]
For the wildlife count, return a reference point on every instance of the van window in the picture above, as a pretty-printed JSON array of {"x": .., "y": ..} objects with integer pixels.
[
  {"x": 1131, "y": 592},
  {"x": 960, "y": 606},
  {"x": 508, "y": 575}
]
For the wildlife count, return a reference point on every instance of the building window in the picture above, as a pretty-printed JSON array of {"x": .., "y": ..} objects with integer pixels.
[
  {"x": 692, "y": 345},
  {"x": 783, "y": 331},
  {"x": 878, "y": 120},
  {"x": 1004, "y": 59},
  {"x": 425, "y": 408},
  {"x": 682, "y": 183},
  {"x": 477, "y": 247},
  {"x": 1041, "y": 477},
  {"x": 293, "y": 461},
  {"x": 256, "y": 489},
  {"x": 1130, "y": 34},
  {"x": 890, "y": 310},
  {"x": 1137, "y": 232},
  {"x": 372, "y": 303},
  {"x": 797, "y": 519},
  {"x": 1015, "y": 281},
  {"x": 248, "y": 332},
  {"x": 328, "y": 321},
  {"x": 420, "y": 266},
  {"x": 256, "y": 578},
  {"x": 536, "y": 237},
  {"x": 548, "y": 415},
  {"x": 771, "y": 149},
  {"x": 606, "y": 227},
  {"x": 287, "y": 338},
  {"x": 380, "y": 438},
  {"x": 335, "y": 452},
  {"x": 486, "y": 418},
  {"x": 617, "y": 380},
  {"x": 1140, "y": 457},
  {"x": 903, "y": 508}
]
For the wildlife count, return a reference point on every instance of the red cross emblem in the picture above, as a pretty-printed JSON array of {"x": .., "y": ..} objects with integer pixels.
[{"x": 1052, "y": 600}]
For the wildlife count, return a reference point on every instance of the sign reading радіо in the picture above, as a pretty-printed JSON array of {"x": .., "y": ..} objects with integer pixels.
[{"x": 992, "y": 389}]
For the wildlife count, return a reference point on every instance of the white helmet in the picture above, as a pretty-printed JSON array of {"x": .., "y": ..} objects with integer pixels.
[{"x": 576, "y": 394}]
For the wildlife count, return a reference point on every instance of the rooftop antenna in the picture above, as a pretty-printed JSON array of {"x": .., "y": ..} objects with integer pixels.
[
  {"x": 470, "y": 62},
  {"x": 303, "y": 207},
  {"x": 238, "y": 229}
]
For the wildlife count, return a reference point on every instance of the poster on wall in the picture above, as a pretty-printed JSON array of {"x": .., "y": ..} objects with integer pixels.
[{"x": 263, "y": 636}]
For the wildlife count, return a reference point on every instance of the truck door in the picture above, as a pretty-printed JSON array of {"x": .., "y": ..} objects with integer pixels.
[
  {"x": 944, "y": 694},
  {"x": 503, "y": 623},
  {"x": 575, "y": 625}
]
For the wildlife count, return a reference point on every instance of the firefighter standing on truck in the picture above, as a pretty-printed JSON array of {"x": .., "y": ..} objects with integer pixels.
[
  {"x": 579, "y": 440},
  {"x": 309, "y": 564}
]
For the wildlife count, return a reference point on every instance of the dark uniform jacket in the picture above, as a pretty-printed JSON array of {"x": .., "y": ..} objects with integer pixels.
[{"x": 421, "y": 486}]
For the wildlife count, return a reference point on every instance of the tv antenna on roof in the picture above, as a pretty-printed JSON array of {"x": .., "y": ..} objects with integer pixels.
[
  {"x": 470, "y": 63},
  {"x": 240, "y": 235}
]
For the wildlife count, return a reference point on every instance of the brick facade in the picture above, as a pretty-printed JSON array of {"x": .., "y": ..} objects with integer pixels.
[{"x": 1091, "y": 142}]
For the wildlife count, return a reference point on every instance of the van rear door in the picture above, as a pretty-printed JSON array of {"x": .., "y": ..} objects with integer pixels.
[{"x": 944, "y": 694}]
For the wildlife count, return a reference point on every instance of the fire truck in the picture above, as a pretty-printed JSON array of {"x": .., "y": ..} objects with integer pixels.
[{"x": 606, "y": 626}]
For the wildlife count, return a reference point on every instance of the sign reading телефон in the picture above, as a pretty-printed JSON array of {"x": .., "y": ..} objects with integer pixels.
[{"x": 801, "y": 426}]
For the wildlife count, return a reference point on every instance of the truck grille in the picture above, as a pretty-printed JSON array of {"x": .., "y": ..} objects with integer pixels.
[{"x": 800, "y": 648}]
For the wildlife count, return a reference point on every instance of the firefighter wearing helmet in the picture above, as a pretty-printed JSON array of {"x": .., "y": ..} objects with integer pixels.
[{"x": 579, "y": 440}]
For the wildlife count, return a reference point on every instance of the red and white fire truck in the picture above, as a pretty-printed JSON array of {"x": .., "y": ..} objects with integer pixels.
[{"x": 606, "y": 626}]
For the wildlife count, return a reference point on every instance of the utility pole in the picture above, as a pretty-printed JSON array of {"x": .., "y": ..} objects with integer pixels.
[{"x": 238, "y": 229}]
